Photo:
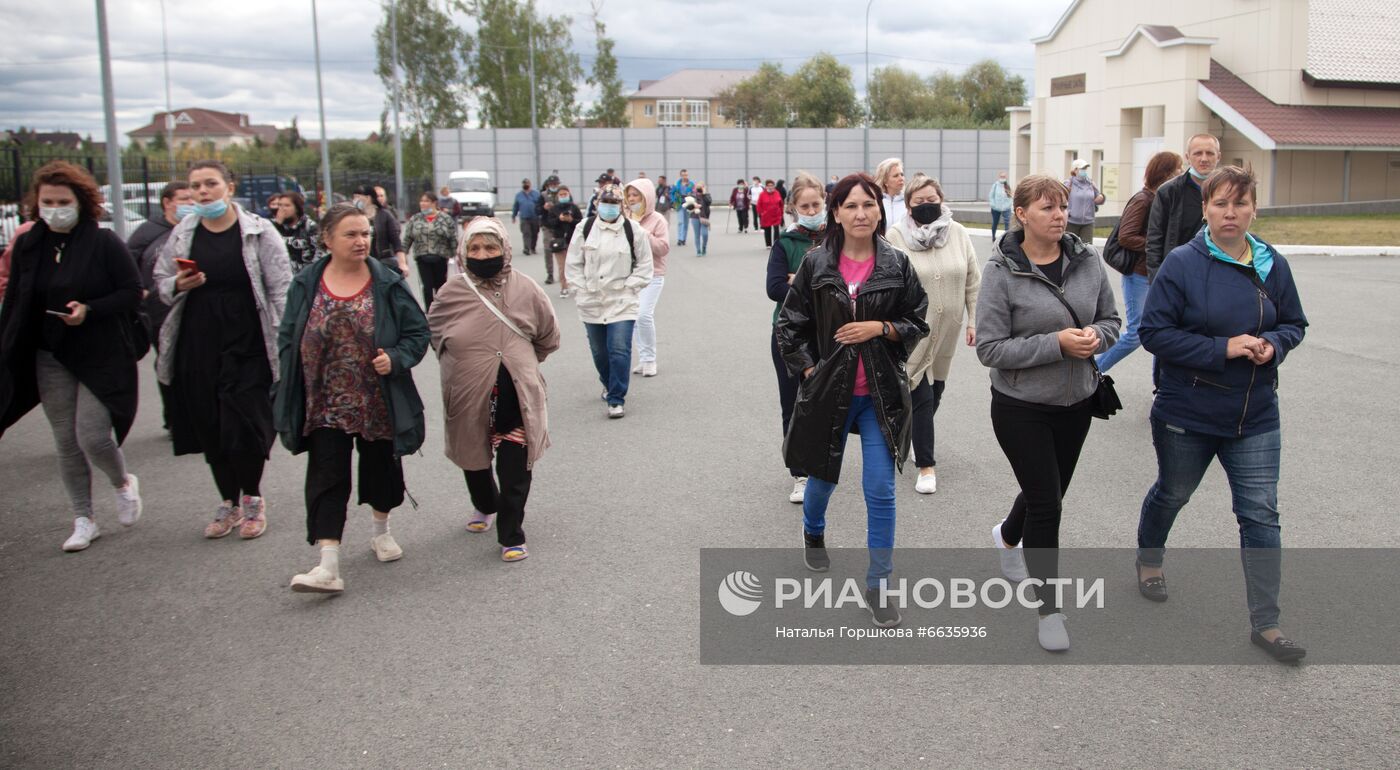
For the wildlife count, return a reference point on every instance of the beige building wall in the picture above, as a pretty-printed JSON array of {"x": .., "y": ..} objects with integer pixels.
[
  {"x": 1151, "y": 91},
  {"x": 637, "y": 112}
]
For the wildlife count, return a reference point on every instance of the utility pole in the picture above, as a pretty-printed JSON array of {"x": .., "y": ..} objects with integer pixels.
[
  {"x": 866, "y": 161},
  {"x": 398, "y": 135},
  {"x": 321, "y": 105},
  {"x": 534, "y": 124},
  {"x": 109, "y": 107},
  {"x": 169, "y": 117}
]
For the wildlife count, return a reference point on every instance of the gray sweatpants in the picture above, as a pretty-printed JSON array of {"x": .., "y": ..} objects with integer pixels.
[{"x": 82, "y": 429}]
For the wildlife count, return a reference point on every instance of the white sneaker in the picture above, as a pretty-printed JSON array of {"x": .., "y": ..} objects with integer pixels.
[
  {"x": 615, "y": 411},
  {"x": 385, "y": 548},
  {"x": 1013, "y": 560},
  {"x": 318, "y": 580},
  {"x": 129, "y": 501},
  {"x": 1052, "y": 634},
  {"x": 799, "y": 490},
  {"x": 648, "y": 369},
  {"x": 84, "y": 532},
  {"x": 638, "y": 368},
  {"x": 926, "y": 485}
]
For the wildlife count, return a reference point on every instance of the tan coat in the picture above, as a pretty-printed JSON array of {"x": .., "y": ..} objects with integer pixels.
[
  {"x": 951, "y": 277},
  {"x": 472, "y": 343}
]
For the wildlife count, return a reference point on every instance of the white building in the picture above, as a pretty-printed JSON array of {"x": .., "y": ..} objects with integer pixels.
[{"x": 1307, "y": 92}]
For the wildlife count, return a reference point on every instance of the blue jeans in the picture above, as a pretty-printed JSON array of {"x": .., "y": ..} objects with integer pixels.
[
  {"x": 1251, "y": 465},
  {"x": 702, "y": 235},
  {"x": 1134, "y": 296},
  {"x": 1000, "y": 216},
  {"x": 877, "y": 481},
  {"x": 612, "y": 356},
  {"x": 683, "y": 219}
]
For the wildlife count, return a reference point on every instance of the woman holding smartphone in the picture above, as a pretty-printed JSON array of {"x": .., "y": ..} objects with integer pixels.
[
  {"x": 68, "y": 340},
  {"x": 224, "y": 274},
  {"x": 351, "y": 333}
]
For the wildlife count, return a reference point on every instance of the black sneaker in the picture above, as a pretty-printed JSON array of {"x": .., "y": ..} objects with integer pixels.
[
  {"x": 814, "y": 553},
  {"x": 548, "y": 280},
  {"x": 1282, "y": 649},
  {"x": 884, "y": 617}
]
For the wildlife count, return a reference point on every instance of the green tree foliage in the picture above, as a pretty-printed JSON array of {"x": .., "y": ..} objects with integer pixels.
[
  {"x": 610, "y": 111},
  {"x": 976, "y": 99},
  {"x": 434, "y": 54},
  {"x": 500, "y": 70},
  {"x": 822, "y": 94},
  {"x": 759, "y": 101}
]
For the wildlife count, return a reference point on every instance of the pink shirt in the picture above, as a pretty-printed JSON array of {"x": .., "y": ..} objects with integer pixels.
[{"x": 856, "y": 274}]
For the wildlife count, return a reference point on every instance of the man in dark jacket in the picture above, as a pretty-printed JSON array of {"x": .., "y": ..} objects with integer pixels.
[
  {"x": 1176, "y": 209},
  {"x": 527, "y": 209},
  {"x": 385, "y": 245},
  {"x": 176, "y": 201}
]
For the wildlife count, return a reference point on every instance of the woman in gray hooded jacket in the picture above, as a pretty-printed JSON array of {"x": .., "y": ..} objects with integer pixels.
[{"x": 1042, "y": 375}]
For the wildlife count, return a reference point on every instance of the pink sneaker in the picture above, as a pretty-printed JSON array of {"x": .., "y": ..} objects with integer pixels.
[
  {"x": 254, "y": 518},
  {"x": 225, "y": 520}
]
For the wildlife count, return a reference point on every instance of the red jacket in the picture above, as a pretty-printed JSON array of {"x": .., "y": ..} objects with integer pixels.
[{"x": 770, "y": 208}]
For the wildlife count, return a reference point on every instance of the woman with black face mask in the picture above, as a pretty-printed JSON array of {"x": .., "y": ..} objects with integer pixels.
[
  {"x": 492, "y": 326},
  {"x": 942, "y": 255}
]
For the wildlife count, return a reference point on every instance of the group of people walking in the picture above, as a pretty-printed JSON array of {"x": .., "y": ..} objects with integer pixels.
[{"x": 874, "y": 283}]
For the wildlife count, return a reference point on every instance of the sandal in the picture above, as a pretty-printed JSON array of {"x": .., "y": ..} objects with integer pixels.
[
  {"x": 480, "y": 522},
  {"x": 514, "y": 552}
]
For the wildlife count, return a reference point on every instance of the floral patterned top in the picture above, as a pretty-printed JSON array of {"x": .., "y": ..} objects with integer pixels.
[{"x": 337, "y": 348}]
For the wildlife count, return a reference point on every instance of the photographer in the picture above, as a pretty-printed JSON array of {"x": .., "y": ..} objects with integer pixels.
[{"x": 697, "y": 206}]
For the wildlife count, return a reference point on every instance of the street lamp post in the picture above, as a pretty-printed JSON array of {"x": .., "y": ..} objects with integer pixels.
[
  {"x": 398, "y": 138},
  {"x": 321, "y": 106},
  {"x": 109, "y": 107},
  {"x": 867, "y": 82}
]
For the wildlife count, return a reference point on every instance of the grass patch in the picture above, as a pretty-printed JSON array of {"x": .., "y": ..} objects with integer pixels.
[{"x": 1351, "y": 230}]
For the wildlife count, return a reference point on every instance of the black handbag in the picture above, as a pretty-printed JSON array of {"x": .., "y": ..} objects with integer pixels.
[{"x": 1104, "y": 403}]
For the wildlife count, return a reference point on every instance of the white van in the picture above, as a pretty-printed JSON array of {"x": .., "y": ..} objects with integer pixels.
[{"x": 474, "y": 190}]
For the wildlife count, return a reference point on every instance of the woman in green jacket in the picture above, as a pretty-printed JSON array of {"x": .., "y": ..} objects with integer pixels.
[
  {"x": 807, "y": 201},
  {"x": 350, "y": 334}
]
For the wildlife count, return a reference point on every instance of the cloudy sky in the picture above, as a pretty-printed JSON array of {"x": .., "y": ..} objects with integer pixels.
[{"x": 256, "y": 56}]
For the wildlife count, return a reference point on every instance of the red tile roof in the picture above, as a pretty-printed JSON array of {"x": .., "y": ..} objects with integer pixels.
[
  {"x": 199, "y": 122},
  {"x": 1297, "y": 125}
]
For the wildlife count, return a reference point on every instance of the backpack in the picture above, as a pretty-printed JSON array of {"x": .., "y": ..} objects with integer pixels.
[
  {"x": 626, "y": 226},
  {"x": 1116, "y": 256}
]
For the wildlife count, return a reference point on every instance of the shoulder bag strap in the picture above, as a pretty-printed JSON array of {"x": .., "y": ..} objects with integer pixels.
[
  {"x": 495, "y": 310},
  {"x": 1060, "y": 295}
]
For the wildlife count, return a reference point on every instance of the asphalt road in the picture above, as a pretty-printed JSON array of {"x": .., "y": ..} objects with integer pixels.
[{"x": 158, "y": 648}]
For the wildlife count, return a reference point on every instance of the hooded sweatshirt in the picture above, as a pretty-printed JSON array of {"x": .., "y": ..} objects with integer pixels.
[
  {"x": 472, "y": 344},
  {"x": 658, "y": 230}
]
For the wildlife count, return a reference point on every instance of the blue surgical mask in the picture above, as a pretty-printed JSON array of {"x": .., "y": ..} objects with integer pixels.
[
  {"x": 1196, "y": 175},
  {"x": 212, "y": 210},
  {"x": 184, "y": 210},
  {"x": 609, "y": 211},
  {"x": 1083, "y": 173},
  {"x": 566, "y": 199},
  {"x": 814, "y": 222}
]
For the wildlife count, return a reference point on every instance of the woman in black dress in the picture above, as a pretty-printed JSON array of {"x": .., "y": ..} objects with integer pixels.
[{"x": 225, "y": 275}]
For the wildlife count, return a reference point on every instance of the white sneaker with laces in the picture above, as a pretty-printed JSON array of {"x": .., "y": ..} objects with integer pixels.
[
  {"x": 615, "y": 411},
  {"x": 927, "y": 484},
  {"x": 129, "y": 501},
  {"x": 1013, "y": 560},
  {"x": 1052, "y": 633},
  {"x": 648, "y": 369},
  {"x": 318, "y": 580},
  {"x": 84, "y": 532},
  {"x": 799, "y": 490}
]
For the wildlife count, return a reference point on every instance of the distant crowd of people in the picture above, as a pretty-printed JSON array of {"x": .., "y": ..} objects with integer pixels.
[{"x": 304, "y": 329}]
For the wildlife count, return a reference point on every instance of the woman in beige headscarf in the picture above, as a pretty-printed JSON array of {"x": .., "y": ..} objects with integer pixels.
[{"x": 492, "y": 327}]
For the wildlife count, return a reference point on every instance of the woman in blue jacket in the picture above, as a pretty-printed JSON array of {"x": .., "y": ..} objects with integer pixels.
[{"x": 1220, "y": 317}]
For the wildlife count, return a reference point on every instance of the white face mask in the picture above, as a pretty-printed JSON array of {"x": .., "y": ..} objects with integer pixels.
[{"x": 59, "y": 218}]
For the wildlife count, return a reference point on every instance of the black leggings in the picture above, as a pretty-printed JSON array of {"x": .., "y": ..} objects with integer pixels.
[
  {"x": 238, "y": 474},
  {"x": 508, "y": 500},
  {"x": 1043, "y": 449},
  {"x": 927, "y": 396},
  {"x": 787, "y": 387},
  {"x": 328, "y": 480},
  {"x": 743, "y": 219},
  {"x": 770, "y": 234},
  {"x": 432, "y": 271}
]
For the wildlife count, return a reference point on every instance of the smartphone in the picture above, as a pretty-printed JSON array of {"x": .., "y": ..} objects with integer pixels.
[
  {"x": 187, "y": 264},
  {"x": 60, "y": 315}
]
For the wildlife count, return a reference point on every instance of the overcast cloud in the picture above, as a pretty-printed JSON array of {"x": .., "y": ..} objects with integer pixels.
[{"x": 256, "y": 56}]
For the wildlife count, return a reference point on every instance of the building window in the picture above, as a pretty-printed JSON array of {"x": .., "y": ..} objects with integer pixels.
[
  {"x": 648, "y": 110},
  {"x": 668, "y": 113},
  {"x": 697, "y": 113}
]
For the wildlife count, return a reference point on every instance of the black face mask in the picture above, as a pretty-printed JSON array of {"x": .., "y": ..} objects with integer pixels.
[
  {"x": 486, "y": 268},
  {"x": 926, "y": 213}
]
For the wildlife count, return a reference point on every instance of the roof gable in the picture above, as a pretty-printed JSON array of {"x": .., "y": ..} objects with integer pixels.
[
  {"x": 691, "y": 84},
  {"x": 1272, "y": 126},
  {"x": 1161, "y": 35}
]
